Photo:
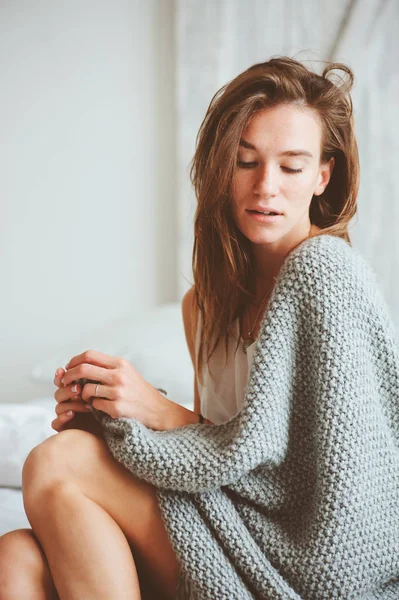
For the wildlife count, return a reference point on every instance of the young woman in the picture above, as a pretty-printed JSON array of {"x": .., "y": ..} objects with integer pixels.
[{"x": 264, "y": 498}]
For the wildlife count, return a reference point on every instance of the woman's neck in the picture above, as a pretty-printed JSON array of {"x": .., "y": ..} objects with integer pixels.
[{"x": 270, "y": 259}]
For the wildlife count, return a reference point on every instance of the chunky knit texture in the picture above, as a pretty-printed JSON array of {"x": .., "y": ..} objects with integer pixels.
[{"x": 296, "y": 496}]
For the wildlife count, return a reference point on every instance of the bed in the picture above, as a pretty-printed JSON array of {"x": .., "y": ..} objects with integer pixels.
[
  {"x": 153, "y": 341},
  {"x": 12, "y": 514}
]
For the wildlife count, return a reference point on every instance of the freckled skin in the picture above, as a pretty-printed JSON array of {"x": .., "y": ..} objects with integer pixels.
[
  {"x": 268, "y": 183},
  {"x": 268, "y": 180}
]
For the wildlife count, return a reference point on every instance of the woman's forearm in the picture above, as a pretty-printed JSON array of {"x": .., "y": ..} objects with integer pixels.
[
  {"x": 172, "y": 415},
  {"x": 176, "y": 415}
]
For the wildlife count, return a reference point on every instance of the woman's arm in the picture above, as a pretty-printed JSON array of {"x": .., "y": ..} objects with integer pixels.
[
  {"x": 190, "y": 321},
  {"x": 176, "y": 415},
  {"x": 199, "y": 458},
  {"x": 325, "y": 349}
]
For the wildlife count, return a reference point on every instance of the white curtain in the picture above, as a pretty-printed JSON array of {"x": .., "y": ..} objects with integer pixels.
[{"x": 218, "y": 39}]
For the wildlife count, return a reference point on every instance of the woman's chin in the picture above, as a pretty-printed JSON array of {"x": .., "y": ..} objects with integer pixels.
[{"x": 262, "y": 237}]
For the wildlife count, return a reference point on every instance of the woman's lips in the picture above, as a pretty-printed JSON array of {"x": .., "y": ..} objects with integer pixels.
[{"x": 263, "y": 218}]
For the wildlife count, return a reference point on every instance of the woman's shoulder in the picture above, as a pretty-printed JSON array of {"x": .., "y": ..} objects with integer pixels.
[
  {"x": 322, "y": 246},
  {"x": 189, "y": 305},
  {"x": 326, "y": 255},
  {"x": 325, "y": 266},
  {"x": 190, "y": 318},
  {"x": 188, "y": 298}
]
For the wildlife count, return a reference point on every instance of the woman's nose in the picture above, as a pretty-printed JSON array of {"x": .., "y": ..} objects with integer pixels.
[{"x": 266, "y": 182}]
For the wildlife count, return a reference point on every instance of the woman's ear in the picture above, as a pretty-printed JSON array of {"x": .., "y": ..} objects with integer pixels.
[{"x": 324, "y": 176}]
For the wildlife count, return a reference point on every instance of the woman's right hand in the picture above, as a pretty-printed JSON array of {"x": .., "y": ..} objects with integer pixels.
[{"x": 67, "y": 400}]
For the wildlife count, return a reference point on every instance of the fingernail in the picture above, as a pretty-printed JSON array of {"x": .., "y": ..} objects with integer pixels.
[
  {"x": 88, "y": 407},
  {"x": 69, "y": 413}
]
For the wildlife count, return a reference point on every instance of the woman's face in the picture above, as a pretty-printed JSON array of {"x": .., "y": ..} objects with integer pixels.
[{"x": 278, "y": 169}]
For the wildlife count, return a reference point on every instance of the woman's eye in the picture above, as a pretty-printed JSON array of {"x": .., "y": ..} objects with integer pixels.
[
  {"x": 245, "y": 165},
  {"x": 288, "y": 170},
  {"x": 249, "y": 165}
]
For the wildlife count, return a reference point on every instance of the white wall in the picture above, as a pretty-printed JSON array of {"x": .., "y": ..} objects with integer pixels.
[{"x": 87, "y": 185}]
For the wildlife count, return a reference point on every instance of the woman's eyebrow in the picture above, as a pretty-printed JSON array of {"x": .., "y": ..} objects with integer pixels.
[{"x": 299, "y": 152}]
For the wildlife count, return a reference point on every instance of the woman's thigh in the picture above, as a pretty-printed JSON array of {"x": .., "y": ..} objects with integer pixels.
[
  {"x": 24, "y": 570},
  {"x": 84, "y": 460}
]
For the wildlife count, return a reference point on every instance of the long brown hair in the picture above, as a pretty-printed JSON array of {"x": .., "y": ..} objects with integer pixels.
[{"x": 222, "y": 257}]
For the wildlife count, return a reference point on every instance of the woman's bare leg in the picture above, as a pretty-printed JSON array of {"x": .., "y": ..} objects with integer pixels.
[
  {"x": 24, "y": 572},
  {"x": 88, "y": 554},
  {"x": 78, "y": 464},
  {"x": 83, "y": 462}
]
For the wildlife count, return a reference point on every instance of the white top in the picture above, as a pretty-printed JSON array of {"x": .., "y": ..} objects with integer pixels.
[{"x": 222, "y": 397}]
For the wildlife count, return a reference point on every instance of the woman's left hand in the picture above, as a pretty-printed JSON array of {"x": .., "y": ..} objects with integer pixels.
[{"x": 123, "y": 392}]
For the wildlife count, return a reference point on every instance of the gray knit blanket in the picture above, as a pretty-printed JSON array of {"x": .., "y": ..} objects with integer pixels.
[{"x": 297, "y": 496}]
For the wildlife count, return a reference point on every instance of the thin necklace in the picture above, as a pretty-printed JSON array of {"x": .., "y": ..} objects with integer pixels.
[{"x": 248, "y": 342}]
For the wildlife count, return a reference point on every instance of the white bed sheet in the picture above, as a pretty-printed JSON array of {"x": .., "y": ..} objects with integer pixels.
[
  {"x": 12, "y": 513},
  {"x": 22, "y": 427}
]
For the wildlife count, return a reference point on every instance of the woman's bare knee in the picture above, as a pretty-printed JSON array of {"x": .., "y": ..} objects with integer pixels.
[
  {"x": 55, "y": 460},
  {"x": 24, "y": 571},
  {"x": 44, "y": 467},
  {"x": 40, "y": 466}
]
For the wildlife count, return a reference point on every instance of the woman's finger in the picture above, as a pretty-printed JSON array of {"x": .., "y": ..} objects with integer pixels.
[
  {"x": 77, "y": 406},
  {"x": 69, "y": 392},
  {"x": 61, "y": 420},
  {"x": 59, "y": 374}
]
